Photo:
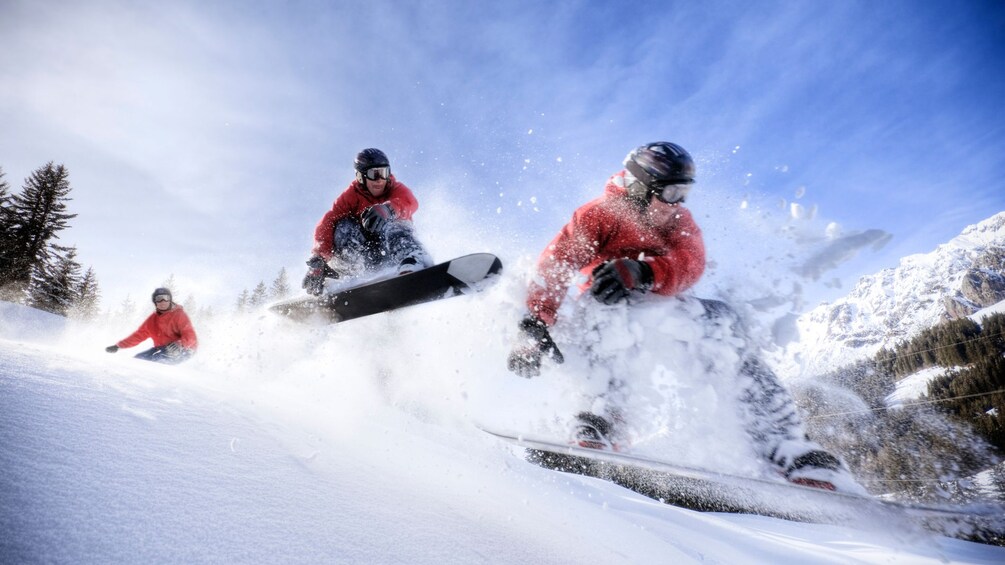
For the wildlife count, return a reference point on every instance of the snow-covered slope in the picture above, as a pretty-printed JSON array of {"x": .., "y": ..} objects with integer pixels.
[
  {"x": 256, "y": 452},
  {"x": 956, "y": 279}
]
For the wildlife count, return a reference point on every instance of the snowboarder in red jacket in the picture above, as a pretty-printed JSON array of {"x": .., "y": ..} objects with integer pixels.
[
  {"x": 639, "y": 238},
  {"x": 170, "y": 329},
  {"x": 368, "y": 228}
]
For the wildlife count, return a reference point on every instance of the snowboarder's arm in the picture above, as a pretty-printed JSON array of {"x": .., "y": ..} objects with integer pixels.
[
  {"x": 324, "y": 234},
  {"x": 681, "y": 267},
  {"x": 534, "y": 343},
  {"x": 186, "y": 331},
  {"x": 403, "y": 201},
  {"x": 575, "y": 246},
  {"x": 141, "y": 333}
]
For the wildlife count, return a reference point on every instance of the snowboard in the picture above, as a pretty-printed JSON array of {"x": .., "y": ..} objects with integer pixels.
[
  {"x": 711, "y": 491},
  {"x": 463, "y": 275}
]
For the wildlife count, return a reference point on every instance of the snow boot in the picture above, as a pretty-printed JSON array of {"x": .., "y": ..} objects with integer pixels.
[
  {"x": 592, "y": 431},
  {"x": 408, "y": 265},
  {"x": 819, "y": 469}
]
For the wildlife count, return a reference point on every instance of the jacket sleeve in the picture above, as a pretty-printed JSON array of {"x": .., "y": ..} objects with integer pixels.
[
  {"x": 681, "y": 267},
  {"x": 324, "y": 233},
  {"x": 403, "y": 201},
  {"x": 186, "y": 331},
  {"x": 141, "y": 333},
  {"x": 575, "y": 246}
]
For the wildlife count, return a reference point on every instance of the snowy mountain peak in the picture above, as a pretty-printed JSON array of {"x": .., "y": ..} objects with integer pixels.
[
  {"x": 989, "y": 232},
  {"x": 957, "y": 279}
]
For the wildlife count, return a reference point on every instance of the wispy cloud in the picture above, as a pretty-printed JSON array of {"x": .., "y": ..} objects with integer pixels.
[{"x": 206, "y": 140}]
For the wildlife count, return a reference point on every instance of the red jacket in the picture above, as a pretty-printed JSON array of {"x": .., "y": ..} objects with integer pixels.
[
  {"x": 353, "y": 202},
  {"x": 164, "y": 328},
  {"x": 611, "y": 227}
]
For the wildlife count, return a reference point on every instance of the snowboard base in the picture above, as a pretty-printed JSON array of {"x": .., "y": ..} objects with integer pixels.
[
  {"x": 464, "y": 275},
  {"x": 710, "y": 491}
]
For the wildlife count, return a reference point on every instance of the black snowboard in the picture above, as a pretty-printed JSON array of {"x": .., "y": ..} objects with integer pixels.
[
  {"x": 704, "y": 490},
  {"x": 455, "y": 277}
]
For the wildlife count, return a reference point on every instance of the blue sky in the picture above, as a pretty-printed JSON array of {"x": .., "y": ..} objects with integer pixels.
[{"x": 205, "y": 139}]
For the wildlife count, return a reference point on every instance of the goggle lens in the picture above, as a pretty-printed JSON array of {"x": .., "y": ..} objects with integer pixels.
[
  {"x": 378, "y": 173},
  {"x": 672, "y": 193},
  {"x": 162, "y": 298}
]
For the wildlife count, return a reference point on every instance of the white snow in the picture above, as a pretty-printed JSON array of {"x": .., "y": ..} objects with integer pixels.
[
  {"x": 989, "y": 311},
  {"x": 912, "y": 387},
  {"x": 351, "y": 444}
]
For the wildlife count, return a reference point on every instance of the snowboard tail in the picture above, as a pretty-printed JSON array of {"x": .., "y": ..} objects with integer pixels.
[{"x": 464, "y": 275}]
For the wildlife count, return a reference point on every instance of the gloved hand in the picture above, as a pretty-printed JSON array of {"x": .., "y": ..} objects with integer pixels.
[
  {"x": 525, "y": 360},
  {"x": 614, "y": 280},
  {"x": 112, "y": 348},
  {"x": 376, "y": 216},
  {"x": 317, "y": 271},
  {"x": 173, "y": 349}
]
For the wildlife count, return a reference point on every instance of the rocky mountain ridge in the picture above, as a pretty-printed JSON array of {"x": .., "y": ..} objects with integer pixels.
[{"x": 957, "y": 279}]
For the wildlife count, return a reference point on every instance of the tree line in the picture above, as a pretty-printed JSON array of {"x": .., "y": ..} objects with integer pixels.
[
  {"x": 974, "y": 358},
  {"x": 262, "y": 294},
  {"x": 35, "y": 268},
  {"x": 956, "y": 343},
  {"x": 953, "y": 431}
]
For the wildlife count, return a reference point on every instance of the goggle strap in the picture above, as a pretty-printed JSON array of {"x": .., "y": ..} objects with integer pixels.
[{"x": 639, "y": 173}]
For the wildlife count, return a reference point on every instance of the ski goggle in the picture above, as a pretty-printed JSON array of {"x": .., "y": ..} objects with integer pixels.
[
  {"x": 377, "y": 173},
  {"x": 162, "y": 298},
  {"x": 672, "y": 193}
]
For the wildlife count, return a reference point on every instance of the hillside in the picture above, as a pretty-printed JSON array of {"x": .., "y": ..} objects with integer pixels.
[
  {"x": 956, "y": 279},
  {"x": 112, "y": 459}
]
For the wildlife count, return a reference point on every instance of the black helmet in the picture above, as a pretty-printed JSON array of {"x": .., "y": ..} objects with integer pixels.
[
  {"x": 661, "y": 163},
  {"x": 161, "y": 292},
  {"x": 370, "y": 158}
]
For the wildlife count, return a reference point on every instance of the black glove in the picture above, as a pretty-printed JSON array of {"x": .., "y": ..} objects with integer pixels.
[
  {"x": 376, "y": 216},
  {"x": 317, "y": 271},
  {"x": 525, "y": 360},
  {"x": 112, "y": 348},
  {"x": 614, "y": 281}
]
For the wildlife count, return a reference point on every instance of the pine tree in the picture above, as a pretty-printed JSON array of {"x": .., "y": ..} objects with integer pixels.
[
  {"x": 88, "y": 297},
  {"x": 281, "y": 286},
  {"x": 242, "y": 301},
  {"x": 170, "y": 284},
  {"x": 128, "y": 307},
  {"x": 6, "y": 217},
  {"x": 258, "y": 296},
  {"x": 54, "y": 286},
  {"x": 32, "y": 220}
]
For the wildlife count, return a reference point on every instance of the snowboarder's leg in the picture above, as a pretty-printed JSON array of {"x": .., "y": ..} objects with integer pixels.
[
  {"x": 402, "y": 249},
  {"x": 773, "y": 422},
  {"x": 355, "y": 251},
  {"x": 603, "y": 426},
  {"x": 149, "y": 354},
  {"x": 164, "y": 354}
]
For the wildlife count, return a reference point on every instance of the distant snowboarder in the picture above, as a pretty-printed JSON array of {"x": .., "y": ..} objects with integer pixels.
[
  {"x": 639, "y": 238},
  {"x": 170, "y": 329},
  {"x": 368, "y": 228}
]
